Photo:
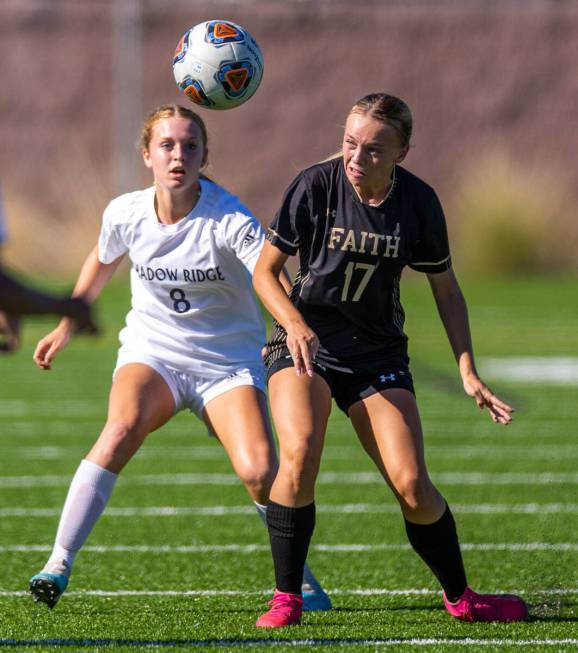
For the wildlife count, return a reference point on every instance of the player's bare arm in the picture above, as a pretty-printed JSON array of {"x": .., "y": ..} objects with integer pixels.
[
  {"x": 301, "y": 340},
  {"x": 454, "y": 315},
  {"x": 9, "y": 332},
  {"x": 93, "y": 277}
]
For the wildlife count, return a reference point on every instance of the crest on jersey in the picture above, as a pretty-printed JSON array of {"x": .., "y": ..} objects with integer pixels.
[
  {"x": 219, "y": 33},
  {"x": 235, "y": 77},
  {"x": 194, "y": 90},
  {"x": 181, "y": 49}
]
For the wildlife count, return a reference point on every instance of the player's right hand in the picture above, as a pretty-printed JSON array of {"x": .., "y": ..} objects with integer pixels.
[
  {"x": 50, "y": 345},
  {"x": 9, "y": 333},
  {"x": 303, "y": 344}
]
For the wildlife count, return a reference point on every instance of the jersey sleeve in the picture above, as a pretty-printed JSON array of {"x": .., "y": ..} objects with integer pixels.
[
  {"x": 285, "y": 232},
  {"x": 431, "y": 253},
  {"x": 244, "y": 236},
  {"x": 111, "y": 244}
]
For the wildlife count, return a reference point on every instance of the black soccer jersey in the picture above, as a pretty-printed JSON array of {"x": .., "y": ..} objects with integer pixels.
[{"x": 351, "y": 259}]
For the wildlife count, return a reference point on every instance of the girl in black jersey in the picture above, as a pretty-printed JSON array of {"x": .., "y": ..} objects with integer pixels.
[{"x": 356, "y": 221}]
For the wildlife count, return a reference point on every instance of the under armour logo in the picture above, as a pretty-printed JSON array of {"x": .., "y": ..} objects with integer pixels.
[{"x": 389, "y": 377}]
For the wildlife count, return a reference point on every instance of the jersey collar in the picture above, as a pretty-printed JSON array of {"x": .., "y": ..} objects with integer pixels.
[
  {"x": 198, "y": 209},
  {"x": 387, "y": 196}
]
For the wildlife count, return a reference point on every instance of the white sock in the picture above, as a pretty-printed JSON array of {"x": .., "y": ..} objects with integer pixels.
[
  {"x": 262, "y": 511},
  {"x": 308, "y": 577},
  {"x": 87, "y": 497}
]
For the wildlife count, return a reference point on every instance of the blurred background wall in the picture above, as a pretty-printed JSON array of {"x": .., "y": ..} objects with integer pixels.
[{"x": 493, "y": 87}]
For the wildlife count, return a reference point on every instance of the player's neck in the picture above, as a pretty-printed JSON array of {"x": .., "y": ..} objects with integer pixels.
[
  {"x": 375, "y": 194},
  {"x": 171, "y": 206}
]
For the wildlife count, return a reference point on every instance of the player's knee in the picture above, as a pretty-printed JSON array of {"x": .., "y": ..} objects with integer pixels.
[
  {"x": 413, "y": 490},
  {"x": 299, "y": 465},
  {"x": 301, "y": 455},
  {"x": 121, "y": 435},
  {"x": 257, "y": 476}
]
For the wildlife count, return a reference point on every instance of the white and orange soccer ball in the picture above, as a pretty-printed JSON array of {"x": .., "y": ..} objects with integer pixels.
[{"x": 218, "y": 64}]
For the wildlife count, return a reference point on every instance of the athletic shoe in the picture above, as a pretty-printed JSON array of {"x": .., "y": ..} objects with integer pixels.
[
  {"x": 285, "y": 611},
  {"x": 314, "y": 598},
  {"x": 487, "y": 607},
  {"x": 48, "y": 585}
]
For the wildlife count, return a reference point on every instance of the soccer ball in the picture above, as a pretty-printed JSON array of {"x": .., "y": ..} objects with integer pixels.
[{"x": 218, "y": 64}]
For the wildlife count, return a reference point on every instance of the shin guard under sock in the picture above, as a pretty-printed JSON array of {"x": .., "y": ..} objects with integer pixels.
[
  {"x": 87, "y": 497},
  {"x": 290, "y": 531},
  {"x": 438, "y": 546}
]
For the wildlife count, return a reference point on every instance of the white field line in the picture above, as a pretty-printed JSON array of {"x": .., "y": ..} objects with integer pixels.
[
  {"x": 91, "y": 409},
  {"x": 376, "y": 591},
  {"x": 325, "y": 478},
  {"x": 532, "y": 369},
  {"x": 347, "y": 508},
  {"x": 68, "y": 407},
  {"x": 458, "y": 478},
  {"x": 230, "y": 644},
  {"x": 256, "y": 548},
  {"x": 559, "y": 452},
  {"x": 436, "y": 430},
  {"x": 194, "y": 453},
  {"x": 332, "y": 452}
]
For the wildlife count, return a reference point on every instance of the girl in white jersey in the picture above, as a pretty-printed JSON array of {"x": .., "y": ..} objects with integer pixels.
[{"x": 193, "y": 336}]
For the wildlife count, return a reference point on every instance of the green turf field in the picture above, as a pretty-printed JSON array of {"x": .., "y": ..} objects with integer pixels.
[{"x": 180, "y": 559}]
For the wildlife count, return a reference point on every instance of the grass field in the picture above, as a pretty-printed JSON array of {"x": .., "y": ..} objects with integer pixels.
[{"x": 180, "y": 559}]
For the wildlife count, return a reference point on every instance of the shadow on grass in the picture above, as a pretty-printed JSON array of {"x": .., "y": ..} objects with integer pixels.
[
  {"x": 390, "y": 608},
  {"x": 425, "y": 374},
  {"x": 538, "y": 613},
  {"x": 550, "y": 612}
]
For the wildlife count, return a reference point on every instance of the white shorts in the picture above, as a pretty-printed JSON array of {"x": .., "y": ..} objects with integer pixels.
[{"x": 190, "y": 390}]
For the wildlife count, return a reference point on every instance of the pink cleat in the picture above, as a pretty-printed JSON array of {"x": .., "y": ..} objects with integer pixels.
[
  {"x": 285, "y": 611},
  {"x": 487, "y": 607}
]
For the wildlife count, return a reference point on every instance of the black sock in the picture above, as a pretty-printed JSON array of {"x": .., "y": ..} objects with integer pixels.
[
  {"x": 437, "y": 544},
  {"x": 290, "y": 531}
]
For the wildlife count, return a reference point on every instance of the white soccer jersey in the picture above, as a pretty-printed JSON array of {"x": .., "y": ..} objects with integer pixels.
[{"x": 193, "y": 305}]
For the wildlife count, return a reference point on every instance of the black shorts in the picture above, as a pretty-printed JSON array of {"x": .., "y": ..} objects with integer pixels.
[{"x": 347, "y": 388}]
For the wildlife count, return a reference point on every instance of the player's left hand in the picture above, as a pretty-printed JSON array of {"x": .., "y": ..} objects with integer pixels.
[{"x": 500, "y": 412}]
